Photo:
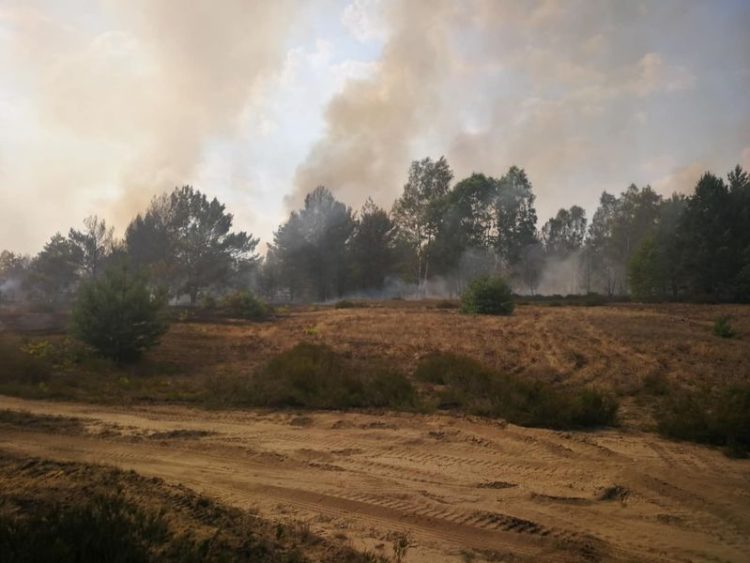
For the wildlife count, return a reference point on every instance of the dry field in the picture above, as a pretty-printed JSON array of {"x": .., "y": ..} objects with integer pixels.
[
  {"x": 613, "y": 347},
  {"x": 462, "y": 488}
]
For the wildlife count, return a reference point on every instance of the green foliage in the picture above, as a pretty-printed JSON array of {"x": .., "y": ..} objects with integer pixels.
[
  {"x": 488, "y": 296},
  {"x": 310, "y": 251},
  {"x": 95, "y": 243},
  {"x": 344, "y": 304},
  {"x": 720, "y": 417},
  {"x": 186, "y": 241},
  {"x": 53, "y": 273},
  {"x": 723, "y": 328},
  {"x": 515, "y": 215},
  {"x": 372, "y": 247},
  {"x": 565, "y": 233},
  {"x": 208, "y": 303},
  {"x": 315, "y": 376},
  {"x": 471, "y": 387},
  {"x": 419, "y": 211},
  {"x": 119, "y": 315},
  {"x": 244, "y": 305},
  {"x": 643, "y": 272}
]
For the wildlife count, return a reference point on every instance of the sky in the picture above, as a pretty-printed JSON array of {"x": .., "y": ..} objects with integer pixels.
[{"x": 105, "y": 104}]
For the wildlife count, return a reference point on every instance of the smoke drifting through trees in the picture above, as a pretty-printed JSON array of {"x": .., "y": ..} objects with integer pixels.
[{"x": 439, "y": 236}]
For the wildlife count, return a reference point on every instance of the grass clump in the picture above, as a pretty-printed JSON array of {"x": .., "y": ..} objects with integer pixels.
[
  {"x": 719, "y": 417},
  {"x": 344, "y": 304},
  {"x": 244, "y": 305},
  {"x": 488, "y": 296},
  {"x": 315, "y": 376},
  {"x": 469, "y": 386},
  {"x": 723, "y": 328}
]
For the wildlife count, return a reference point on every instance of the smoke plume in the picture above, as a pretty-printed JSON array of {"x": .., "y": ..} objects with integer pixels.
[{"x": 373, "y": 124}]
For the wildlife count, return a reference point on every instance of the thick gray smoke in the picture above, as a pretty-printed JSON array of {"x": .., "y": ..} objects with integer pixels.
[
  {"x": 372, "y": 125},
  {"x": 132, "y": 110},
  {"x": 561, "y": 276},
  {"x": 566, "y": 90}
]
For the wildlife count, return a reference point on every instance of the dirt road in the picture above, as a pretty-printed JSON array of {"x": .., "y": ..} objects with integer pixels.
[{"x": 461, "y": 488}]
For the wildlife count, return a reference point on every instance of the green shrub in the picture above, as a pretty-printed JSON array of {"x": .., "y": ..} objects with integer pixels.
[
  {"x": 344, "y": 304},
  {"x": 119, "y": 315},
  {"x": 488, "y": 296},
  {"x": 471, "y": 387},
  {"x": 244, "y": 305},
  {"x": 315, "y": 376},
  {"x": 720, "y": 417},
  {"x": 723, "y": 328}
]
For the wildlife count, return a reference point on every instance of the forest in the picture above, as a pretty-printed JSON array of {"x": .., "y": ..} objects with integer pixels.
[{"x": 439, "y": 235}]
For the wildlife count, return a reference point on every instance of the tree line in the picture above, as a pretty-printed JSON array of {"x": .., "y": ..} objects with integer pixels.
[{"x": 438, "y": 236}]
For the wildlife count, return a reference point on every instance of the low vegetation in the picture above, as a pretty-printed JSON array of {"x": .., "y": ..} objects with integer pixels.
[
  {"x": 723, "y": 328},
  {"x": 517, "y": 370},
  {"x": 315, "y": 376},
  {"x": 488, "y": 296},
  {"x": 244, "y": 305},
  {"x": 585, "y": 300},
  {"x": 67, "y": 512},
  {"x": 712, "y": 416},
  {"x": 465, "y": 384},
  {"x": 18, "y": 366}
]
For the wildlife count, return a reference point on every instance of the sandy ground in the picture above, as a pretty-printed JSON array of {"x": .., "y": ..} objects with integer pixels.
[{"x": 464, "y": 489}]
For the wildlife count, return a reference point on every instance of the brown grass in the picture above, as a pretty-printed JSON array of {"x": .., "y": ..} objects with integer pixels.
[{"x": 616, "y": 348}]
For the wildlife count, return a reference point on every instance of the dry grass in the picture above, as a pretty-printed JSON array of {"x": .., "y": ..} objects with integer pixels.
[{"x": 617, "y": 348}]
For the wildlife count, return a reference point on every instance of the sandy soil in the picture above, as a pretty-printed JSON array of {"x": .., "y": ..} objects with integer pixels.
[{"x": 462, "y": 488}]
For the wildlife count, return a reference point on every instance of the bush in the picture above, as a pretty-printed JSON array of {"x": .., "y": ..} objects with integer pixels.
[
  {"x": 723, "y": 328},
  {"x": 18, "y": 365},
  {"x": 315, "y": 376},
  {"x": 208, "y": 303},
  {"x": 473, "y": 388},
  {"x": 244, "y": 305},
  {"x": 119, "y": 315},
  {"x": 488, "y": 296},
  {"x": 104, "y": 528},
  {"x": 344, "y": 304},
  {"x": 719, "y": 417}
]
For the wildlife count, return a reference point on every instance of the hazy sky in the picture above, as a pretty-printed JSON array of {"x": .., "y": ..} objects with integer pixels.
[{"x": 104, "y": 104}]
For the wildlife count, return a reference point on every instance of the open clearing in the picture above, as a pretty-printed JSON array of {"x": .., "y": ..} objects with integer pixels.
[
  {"x": 461, "y": 487},
  {"x": 458, "y": 486}
]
